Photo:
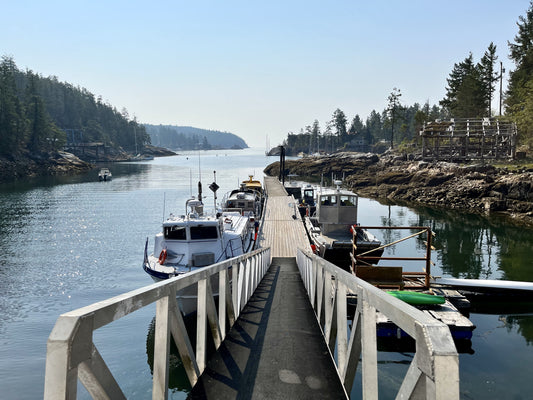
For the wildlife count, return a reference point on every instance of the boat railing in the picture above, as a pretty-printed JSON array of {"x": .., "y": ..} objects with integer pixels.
[
  {"x": 434, "y": 370},
  {"x": 72, "y": 354},
  {"x": 420, "y": 278}
]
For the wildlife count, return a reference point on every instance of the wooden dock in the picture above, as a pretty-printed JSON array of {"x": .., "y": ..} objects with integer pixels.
[
  {"x": 276, "y": 349},
  {"x": 283, "y": 230}
]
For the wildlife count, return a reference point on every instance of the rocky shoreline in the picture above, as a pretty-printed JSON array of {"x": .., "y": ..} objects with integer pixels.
[
  {"x": 64, "y": 163},
  {"x": 58, "y": 163},
  {"x": 477, "y": 188}
]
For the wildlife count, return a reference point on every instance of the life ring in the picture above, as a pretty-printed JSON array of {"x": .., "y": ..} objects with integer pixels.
[{"x": 162, "y": 256}]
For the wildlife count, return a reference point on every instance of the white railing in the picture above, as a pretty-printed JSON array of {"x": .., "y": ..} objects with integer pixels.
[
  {"x": 72, "y": 355},
  {"x": 434, "y": 370}
]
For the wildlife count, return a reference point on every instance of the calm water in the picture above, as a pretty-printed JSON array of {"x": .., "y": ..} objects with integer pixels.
[{"x": 69, "y": 242}]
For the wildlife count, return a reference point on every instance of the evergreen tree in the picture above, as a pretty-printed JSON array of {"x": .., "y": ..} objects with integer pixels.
[
  {"x": 315, "y": 132},
  {"x": 13, "y": 125},
  {"x": 521, "y": 52},
  {"x": 356, "y": 126},
  {"x": 392, "y": 111},
  {"x": 374, "y": 124},
  {"x": 489, "y": 76},
  {"x": 339, "y": 122},
  {"x": 520, "y": 89},
  {"x": 465, "y": 96}
]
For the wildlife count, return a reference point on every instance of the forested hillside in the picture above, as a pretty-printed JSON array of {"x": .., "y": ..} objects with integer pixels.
[
  {"x": 189, "y": 138},
  {"x": 39, "y": 115}
]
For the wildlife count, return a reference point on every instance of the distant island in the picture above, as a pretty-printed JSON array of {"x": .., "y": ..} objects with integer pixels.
[{"x": 188, "y": 138}]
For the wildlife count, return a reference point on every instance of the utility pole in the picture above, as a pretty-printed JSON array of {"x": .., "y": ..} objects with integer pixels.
[{"x": 502, "y": 70}]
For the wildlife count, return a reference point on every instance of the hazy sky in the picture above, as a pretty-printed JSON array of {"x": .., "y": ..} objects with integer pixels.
[{"x": 253, "y": 68}]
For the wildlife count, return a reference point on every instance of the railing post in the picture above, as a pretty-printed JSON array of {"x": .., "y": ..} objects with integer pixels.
[
  {"x": 201, "y": 323},
  {"x": 61, "y": 378},
  {"x": 369, "y": 353},
  {"x": 342, "y": 326},
  {"x": 161, "y": 349}
]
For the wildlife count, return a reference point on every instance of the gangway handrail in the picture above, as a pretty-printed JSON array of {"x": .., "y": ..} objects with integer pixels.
[
  {"x": 434, "y": 370},
  {"x": 72, "y": 354}
]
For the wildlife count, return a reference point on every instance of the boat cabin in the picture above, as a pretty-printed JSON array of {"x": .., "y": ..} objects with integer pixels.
[
  {"x": 252, "y": 184},
  {"x": 241, "y": 201},
  {"x": 336, "y": 208},
  {"x": 191, "y": 232}
]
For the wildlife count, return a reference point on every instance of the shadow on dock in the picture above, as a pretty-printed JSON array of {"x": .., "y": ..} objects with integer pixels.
[{"x": 275, "y": 349}]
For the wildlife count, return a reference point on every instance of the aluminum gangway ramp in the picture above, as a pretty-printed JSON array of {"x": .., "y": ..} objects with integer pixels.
[{"x": 276, "y": 349}]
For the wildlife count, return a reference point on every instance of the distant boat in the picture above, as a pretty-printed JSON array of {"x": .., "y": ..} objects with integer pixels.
[
  {"x": 142, "y": 157},
  {"x": 104, "y": 175}
]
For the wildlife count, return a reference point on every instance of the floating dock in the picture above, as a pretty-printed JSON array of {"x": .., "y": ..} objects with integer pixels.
[{"x": 276, "y": 349}]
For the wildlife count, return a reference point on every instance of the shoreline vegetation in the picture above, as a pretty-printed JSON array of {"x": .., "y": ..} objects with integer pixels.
[{"x": 479, "y": 188}]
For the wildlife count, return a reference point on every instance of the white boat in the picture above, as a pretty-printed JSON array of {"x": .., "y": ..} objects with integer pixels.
[
  {"x": 104, "y": 175},
  {"x": 248, "y": 200},
  {"x": 193, "y": 241},
  {"x": 330, "y": 227}
]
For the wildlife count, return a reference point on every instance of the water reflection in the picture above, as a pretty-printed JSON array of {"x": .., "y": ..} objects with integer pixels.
[
  {"x": 472, "y": 246},
  {"x": 177, "y": 378}
]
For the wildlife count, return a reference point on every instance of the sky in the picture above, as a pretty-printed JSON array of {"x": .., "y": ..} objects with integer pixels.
[{"x": 258, "y": 69}]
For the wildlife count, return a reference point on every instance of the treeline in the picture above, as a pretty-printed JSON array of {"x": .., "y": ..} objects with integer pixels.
[
  {"x": 190, "y": 138},
  {"x": 167, "y": 136},
  {"x": 400, "y": 124},
  {"x": 470, "y": 93},
  {"x": 39, "y": 115}
]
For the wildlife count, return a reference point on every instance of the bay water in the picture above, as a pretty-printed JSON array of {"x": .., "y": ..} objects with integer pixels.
[{"x": 68, "y": 242}]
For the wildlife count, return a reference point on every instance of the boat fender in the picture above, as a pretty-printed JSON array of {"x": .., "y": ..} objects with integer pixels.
[
  {"x": 313, "y": 248},
  {"x": 162, "y": 256}
]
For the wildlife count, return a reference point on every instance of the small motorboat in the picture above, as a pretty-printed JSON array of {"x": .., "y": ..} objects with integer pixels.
[
  {"x": 330, "y": 228},
  {"x": 104, "y": 175}
]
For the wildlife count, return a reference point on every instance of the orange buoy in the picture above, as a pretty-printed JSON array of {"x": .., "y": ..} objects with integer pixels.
[{"x": 163, "y": 256}]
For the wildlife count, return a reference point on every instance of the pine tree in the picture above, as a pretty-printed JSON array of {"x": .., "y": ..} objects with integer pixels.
[
  {"x": 465, "y": 96},
  {"x": 489, "y": 76},
  {"x": 521, "y": 52},
  {"x": 13, "y": 125},
  {"x": 392, "y": 110}
]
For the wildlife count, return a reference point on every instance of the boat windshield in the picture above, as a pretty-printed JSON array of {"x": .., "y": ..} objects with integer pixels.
[
  {"x": 203, "y": 232},
  {"x": 175, "y": 232},
  {"x": 328, "y": 200},
  {"x": 348, "y": 200}
]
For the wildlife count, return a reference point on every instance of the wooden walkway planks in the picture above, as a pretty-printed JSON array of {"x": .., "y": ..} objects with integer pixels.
[
  {"x": 275, "y": 350},
  {"x": 283, "y": 230}
]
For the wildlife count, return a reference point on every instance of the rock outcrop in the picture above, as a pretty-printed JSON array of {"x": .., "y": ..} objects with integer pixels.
[
  {"x": 479, "y": 188},
  {"x": 56, "y": 163}
]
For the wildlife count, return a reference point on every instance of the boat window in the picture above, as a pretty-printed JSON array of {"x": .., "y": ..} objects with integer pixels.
[
  {"x": 203, "y": 232},
  {"x": 348, "y": 200},
  {"x": 328, "y": 200},
  {"x": 175, "y": 232}
]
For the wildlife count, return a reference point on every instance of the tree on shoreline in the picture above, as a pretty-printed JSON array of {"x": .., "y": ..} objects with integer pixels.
[
  {"x": 519, "y": 100},
  {"x": 471, "y": 87}
]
